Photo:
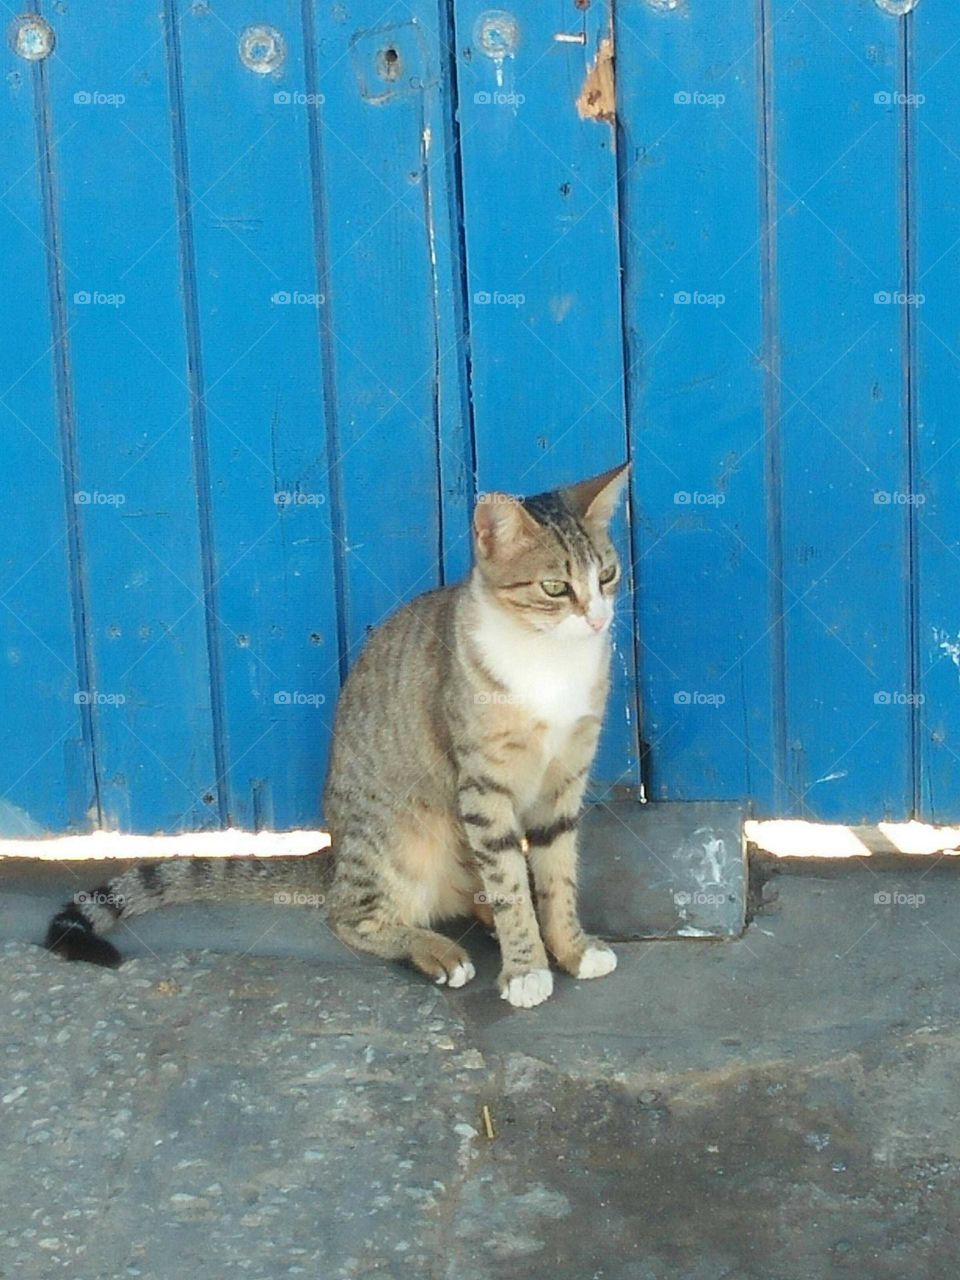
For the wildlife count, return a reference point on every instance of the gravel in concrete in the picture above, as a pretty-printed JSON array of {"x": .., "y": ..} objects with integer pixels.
[{"x": 778, "y": 1108}]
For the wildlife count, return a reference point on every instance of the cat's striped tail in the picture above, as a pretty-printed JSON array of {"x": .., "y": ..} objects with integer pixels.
[{"x": 76, "y": 931}]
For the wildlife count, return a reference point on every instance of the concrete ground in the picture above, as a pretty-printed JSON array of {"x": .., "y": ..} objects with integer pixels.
[{"x": 782, "y": 1107}]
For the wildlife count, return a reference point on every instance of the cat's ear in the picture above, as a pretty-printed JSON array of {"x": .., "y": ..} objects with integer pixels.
[
  {"x": 501, "y": 526},
  {"x": 595, "y": 500}
]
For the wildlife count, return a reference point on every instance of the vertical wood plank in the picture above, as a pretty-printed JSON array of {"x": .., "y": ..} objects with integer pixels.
[
  {"x": 46, "y": 761},
  {"x": 151, "y": 685},
  {"x": 706, "y": 535},
  {"x": 839, "y": 176},
  {"x": 382, "y": 189},
  {"x": 259, "y": 308},
  {"x": 540, "y": 206},
  {"x": 933, "y": 34}
]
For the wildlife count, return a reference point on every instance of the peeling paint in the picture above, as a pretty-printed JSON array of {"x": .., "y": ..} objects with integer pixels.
[
  {"x": 951, "y": 647},
  {"x": 497, "y": 35},
  {"x": 598, "y": 99},
  {"x": 704, "y": 861},
  {"x": 560, "y": 306},
  {"x": 709, "y": 873}
]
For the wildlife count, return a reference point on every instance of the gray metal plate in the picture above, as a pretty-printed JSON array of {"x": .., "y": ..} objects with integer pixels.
[{"x": 666, "y": 870}]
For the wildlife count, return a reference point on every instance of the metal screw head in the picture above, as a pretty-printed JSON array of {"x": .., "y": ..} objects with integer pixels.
[
  {"x": 31, "y": 37},
  {"x": 497, "y": 34},
  {"x": 262, "y": 49}
]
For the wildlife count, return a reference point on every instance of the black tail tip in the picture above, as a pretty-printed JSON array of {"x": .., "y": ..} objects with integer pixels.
[{"x": 68, "y": 938}]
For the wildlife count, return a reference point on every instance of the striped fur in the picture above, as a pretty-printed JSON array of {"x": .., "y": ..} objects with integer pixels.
[{"x": 461, "y": 750}]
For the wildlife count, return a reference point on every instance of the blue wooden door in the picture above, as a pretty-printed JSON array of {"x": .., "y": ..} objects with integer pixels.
[
  {"x": 235, "y": 399},
  {"x": 788, "y": 178},
  {"x": 294, "y": 282}
]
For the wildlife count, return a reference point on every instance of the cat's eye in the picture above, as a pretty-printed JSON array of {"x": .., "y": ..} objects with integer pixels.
[
  {"x": 555, "y": 587},
  {"x": 607, "y": 575}
]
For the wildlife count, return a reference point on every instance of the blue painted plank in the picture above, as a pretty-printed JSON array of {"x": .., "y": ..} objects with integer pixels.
[
  {"x": 136, "y": 472},
  {"x": 934, "y": 42},
  {"x": 383, "y": 211},
  {"x": 842, "y": 416},
  {"x": 46, "y": 762},
  {"x": 706, "y": 539},
  {"x": 540, "y": 209},
  {"x": 260, "y": 316}
]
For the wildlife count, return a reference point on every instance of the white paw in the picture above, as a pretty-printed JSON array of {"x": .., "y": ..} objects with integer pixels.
[
  {"x": 462, "y": 975},
  {"x": 596, "y": 962},
  {"x": 528, "y": 989}
]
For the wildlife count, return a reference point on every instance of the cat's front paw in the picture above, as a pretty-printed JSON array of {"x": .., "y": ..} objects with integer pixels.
[
  {"x": 596, "y": 962},
  {"x": 526, "y": 990}
]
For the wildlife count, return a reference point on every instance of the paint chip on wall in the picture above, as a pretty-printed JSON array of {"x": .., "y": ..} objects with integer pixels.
[{"x": 597, "y": 100}]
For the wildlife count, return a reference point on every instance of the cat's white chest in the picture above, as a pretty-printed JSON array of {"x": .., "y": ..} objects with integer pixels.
[
  {"x": 553, "y": 687},
  {"x": 551, "y": 680}
]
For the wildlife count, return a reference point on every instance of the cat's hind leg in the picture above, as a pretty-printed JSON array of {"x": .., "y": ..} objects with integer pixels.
[
  {"x": 390, "y": 888},
  {"x": 444, "y": 961}
]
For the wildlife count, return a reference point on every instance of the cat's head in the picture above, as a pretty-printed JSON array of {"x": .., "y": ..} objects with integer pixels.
[{"x": 548, "y": 561}]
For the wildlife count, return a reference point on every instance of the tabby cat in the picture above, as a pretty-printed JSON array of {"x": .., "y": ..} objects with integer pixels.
[{"x": 461, "y": 749}]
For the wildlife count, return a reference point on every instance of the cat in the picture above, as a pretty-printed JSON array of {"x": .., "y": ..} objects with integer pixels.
[{"x": 461, "y": 749}]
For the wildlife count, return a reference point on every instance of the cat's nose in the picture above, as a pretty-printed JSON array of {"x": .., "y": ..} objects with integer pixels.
[{"x": 597, "y": 624}]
